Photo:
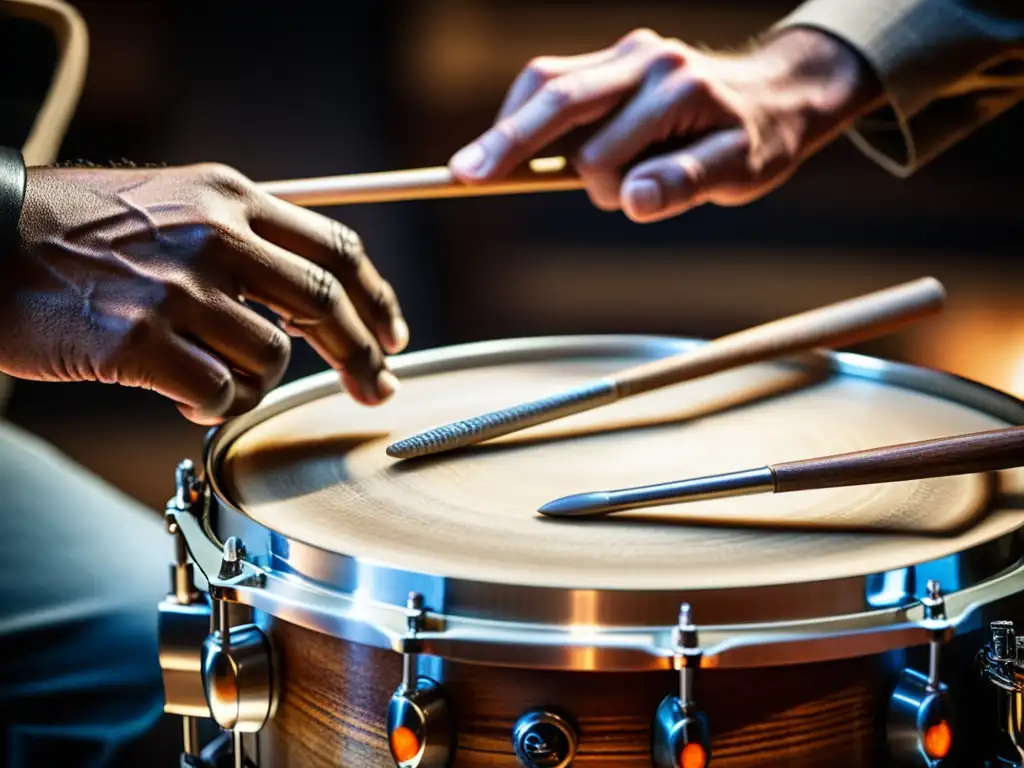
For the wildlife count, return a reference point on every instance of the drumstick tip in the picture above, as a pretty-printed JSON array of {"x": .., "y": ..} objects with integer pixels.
[{"x": 577, "y": 505}]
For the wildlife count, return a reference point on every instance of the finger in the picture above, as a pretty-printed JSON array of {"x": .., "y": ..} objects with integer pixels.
[
  {"x": 203, "y": 387},
  {"x": 249, "y": 344},
  {"x": 717, "y": 166},
  {"x": 340, "y": 251},
  {"x": 577, "y": 98},
  {"x": 546, "y": 68},
  {"x": 314, "y": 306},
  {"x": 667, "y": 106}
]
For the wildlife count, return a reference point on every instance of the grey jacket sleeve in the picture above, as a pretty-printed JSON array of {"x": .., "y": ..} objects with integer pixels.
[{"x": 947, "y": 67}]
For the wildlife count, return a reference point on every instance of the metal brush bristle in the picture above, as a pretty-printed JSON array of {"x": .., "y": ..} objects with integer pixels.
[{"x": 497, "y": 423}]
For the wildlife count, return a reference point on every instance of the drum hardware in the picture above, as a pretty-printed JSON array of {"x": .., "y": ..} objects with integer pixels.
[
  {"x": 844, "y": 322},
  {"x": 1002, "y": 666},
  {"x": 921, "y": 724},
  {"x": 545, "y": 739},
  {"x": 184, "y": 619},
  {"x": 237, "y": 666},
  {"x": 681, "y": 737},
  {"x": 418, "y": 720}
]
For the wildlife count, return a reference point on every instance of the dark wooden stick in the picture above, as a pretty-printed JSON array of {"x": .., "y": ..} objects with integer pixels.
[{"x": 962, "y": 455}]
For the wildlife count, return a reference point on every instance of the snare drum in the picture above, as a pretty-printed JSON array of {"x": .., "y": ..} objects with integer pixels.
[{"x": 368, "y": 612}]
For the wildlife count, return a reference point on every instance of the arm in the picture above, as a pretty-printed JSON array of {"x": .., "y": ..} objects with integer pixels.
[{"x": 947, "y": 67}]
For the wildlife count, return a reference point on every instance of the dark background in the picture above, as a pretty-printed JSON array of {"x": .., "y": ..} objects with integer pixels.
[
  {"x": 285, "y": 90},
  {"x": 306, "y": 89}
]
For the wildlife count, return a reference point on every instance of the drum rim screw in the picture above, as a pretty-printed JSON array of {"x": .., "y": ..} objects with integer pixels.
[{"x": 232, "y": 558}]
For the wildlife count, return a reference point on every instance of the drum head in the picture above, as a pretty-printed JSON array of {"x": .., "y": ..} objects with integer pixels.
[{"x": 317, "y": 473}]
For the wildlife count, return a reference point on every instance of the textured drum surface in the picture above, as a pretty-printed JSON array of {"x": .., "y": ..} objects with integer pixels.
[{"x": 318, "y": 473}]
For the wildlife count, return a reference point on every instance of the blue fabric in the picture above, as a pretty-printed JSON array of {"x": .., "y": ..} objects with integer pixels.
[{"x": 82, "y": 568}]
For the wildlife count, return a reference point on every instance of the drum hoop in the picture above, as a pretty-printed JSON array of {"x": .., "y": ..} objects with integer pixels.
[{"x": 364, "y": 601}]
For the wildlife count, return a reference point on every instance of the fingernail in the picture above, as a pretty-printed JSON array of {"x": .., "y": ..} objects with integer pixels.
[
  {"x": 469, "y": 160},
  {"x": 387, "y": 384},
  {"x": 644, "y": 196},
  {"x": 399, "y": 333}
]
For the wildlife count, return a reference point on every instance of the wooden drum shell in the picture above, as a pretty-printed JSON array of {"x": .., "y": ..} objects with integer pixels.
[{"x": 335, "y": 694}]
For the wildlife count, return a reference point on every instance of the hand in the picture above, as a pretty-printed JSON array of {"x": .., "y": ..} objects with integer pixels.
[
  {"x": 140, "y": 276},
  {"x": 742, "y": 122}
]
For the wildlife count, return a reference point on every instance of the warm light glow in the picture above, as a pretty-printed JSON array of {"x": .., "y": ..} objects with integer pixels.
[
  {"x": 693, "y": 756},
  {"x": 982, "y": 338},
  {"x": 404, "y": 744},
  {"x": 937, "y": 740}
]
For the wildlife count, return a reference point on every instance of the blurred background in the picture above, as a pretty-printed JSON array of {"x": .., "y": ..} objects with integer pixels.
[{"x": 304, "y": 89}]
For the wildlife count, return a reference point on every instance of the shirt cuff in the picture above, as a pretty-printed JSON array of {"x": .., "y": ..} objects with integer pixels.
[{"x": 920, "y": 50}]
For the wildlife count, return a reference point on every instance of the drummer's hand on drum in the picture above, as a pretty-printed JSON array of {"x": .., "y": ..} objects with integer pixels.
[
  {"x": 139, "y": 277},
  {"x": 739, "y": 124}
]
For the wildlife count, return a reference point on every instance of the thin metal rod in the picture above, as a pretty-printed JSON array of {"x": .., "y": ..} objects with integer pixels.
[
  {"x": 190, "y": 735},
  {"x": 712, "y": 487},
  {"x": 239, "y": 756}
]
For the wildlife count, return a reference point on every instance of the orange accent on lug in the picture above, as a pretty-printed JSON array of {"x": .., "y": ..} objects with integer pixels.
[
  {"x": 937, "y": 740},
  {"x": 404, "y": 744}
]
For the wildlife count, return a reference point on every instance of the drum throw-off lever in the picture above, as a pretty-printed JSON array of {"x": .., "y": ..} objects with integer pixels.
[
  {"x": 921, "y": 718},
  {"x": 681, "y": 736},
  {"x": 418, "y": 721}
]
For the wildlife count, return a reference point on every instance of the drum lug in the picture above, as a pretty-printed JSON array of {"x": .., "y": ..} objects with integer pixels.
[
  {"x": 237, "y": 664},
  {"x": 418, "y": 720},
  {"x": 1002, "y": 667},
  {"x": 921, "y": 719},
  {"x": 681, "y": 735}
]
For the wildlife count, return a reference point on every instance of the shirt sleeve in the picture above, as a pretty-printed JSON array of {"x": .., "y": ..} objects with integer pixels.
[{"x": 947, "y": 68}]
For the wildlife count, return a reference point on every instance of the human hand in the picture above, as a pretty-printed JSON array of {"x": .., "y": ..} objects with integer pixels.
[
  {"x": 139, "y": 277},
  {"x": 739, "y": 124}
]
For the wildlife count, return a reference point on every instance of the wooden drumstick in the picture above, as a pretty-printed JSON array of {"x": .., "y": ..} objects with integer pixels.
[
  {"x": 846, "y": 322},
  {"x": 963, "y": 455},
  {"x": 547, "y": 174}
]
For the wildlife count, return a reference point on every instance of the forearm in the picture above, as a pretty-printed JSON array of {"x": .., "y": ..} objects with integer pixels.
[{"x": 947, "y": 67}]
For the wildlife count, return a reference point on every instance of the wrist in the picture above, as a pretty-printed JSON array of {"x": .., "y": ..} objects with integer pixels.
[{"x": 822, "y": 80}]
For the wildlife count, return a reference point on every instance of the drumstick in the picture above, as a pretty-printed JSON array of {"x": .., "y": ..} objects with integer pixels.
[
  {"x": 846, "y": 322},
  {"x": 547, "y": 174},
  {"x": 978, "y": 452}
]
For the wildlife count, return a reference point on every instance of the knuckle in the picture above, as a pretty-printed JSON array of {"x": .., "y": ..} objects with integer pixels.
[
  {"x": 223, "y": 179},
  {"x": 541, "y": 69},
  {"x": 140, "y": 328},
  {"x": 642, "y": 36},
  {"x": 561, "y": 93},
  {"x": 669, "y": 56},
  {"x": 323, "y": 289},
  {"x": 348, "y": 245}
]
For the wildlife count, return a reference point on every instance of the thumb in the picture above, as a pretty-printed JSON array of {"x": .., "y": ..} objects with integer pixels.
[{"x": 671, "y": 184}]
